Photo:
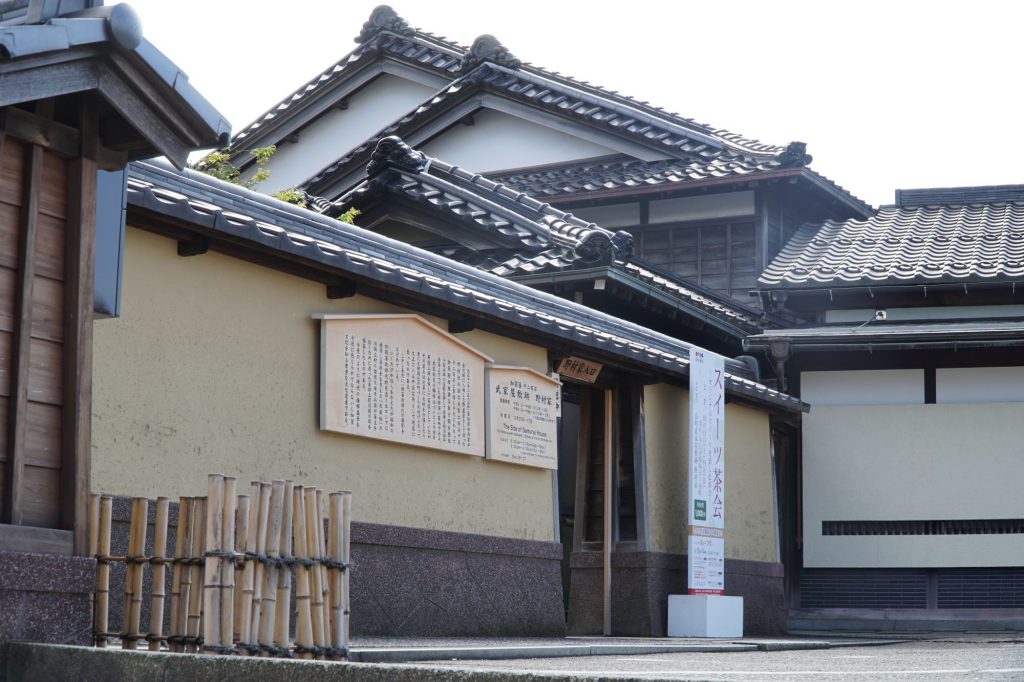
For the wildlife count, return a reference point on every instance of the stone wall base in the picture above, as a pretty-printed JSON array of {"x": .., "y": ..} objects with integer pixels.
[{"x": 642, "y": 581}]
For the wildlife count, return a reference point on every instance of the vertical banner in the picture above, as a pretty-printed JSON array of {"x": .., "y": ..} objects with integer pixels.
[{"x": 705, "y": 557}]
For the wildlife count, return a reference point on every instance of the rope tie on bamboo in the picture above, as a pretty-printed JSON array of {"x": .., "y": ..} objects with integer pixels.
[
  {"x": 233, "y": 557},
  {"x": 266, "y": 649},
  {"x": 219, "y": 649},
  {"x": 332, "y": 651},
  {"x": 156, "y": 638},
  {"x": 105, "y": 558},
  {"x": 136, "y": 559}
]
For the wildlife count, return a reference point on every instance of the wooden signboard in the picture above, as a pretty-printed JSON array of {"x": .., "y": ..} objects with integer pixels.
[
  {"x": 522, "y": 416},
  {"x": 402, "y": 379},
  {"x": 573, "y": 367}
]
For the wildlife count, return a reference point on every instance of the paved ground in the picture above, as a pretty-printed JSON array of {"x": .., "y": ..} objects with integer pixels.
[{"x": 978, "y": 657}]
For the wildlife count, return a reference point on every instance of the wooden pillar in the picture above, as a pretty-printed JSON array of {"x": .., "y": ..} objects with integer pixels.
[
  {"x": 21, "y": 337},
  {"x": 609, "y": 508},
  {"x": 79, "y": 263}
]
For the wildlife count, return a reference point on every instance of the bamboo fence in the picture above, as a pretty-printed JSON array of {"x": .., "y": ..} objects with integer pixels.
[{"x": 232, "y": 572}]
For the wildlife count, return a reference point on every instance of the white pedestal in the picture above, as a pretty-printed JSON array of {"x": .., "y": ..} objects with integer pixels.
[{"x": 704, "y": 615}]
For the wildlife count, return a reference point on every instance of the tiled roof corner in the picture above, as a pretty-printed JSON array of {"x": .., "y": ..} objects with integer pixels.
[
  {"x": 391, "y": 151},
  {"x": 383, "y": 18},
  {"x": 916, "y": 245}
]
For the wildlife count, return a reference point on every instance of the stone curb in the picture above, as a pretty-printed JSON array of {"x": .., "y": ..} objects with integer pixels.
[{"x": 494, "y": 653}]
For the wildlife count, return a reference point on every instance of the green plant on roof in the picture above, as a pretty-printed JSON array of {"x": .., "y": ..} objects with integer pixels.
[{"x": 218, "y": 164}]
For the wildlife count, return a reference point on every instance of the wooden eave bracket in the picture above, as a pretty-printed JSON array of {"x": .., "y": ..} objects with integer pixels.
[
  {"x": 343, "y": 288},
  {"x": 194, "y": 246}
]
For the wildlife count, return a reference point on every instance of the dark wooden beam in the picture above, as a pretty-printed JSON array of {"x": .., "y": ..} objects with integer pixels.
[
  {"x": 194, "y": 246},
  {"x": 345, "y": 288},
  {"x": 33, "y": 85},
  {"x": 17, "y": 426},
  {"x": 144, "y": 118},
  {"x": 79, "y": 264},
  {"x": 461, "y": 325},
  {"x": 341, "y": 104},
  {"x": 42, "y": 131},
  {"x": 292, "y": 138}
]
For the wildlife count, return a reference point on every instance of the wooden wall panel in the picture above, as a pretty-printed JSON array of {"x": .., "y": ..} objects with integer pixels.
[
  {"x": 48, "y": 309},
  {"x": 45, "y": 376},
  {"x": 43, "y": 437},
  {"x": 12, "y": 170},
  {"x": 8, "y": 285},
  {"x": 10, "y": 215},
  {"x": 5, "y": 363},
  {"x": 40, "y": 497},
  {"x": 53, "y": 199},
  {"x": 49, "y": 260}
]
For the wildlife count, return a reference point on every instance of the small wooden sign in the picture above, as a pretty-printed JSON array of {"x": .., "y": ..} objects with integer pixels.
[
  {"x": 579, "y": 369},
  {"x": 400, "y": 378},
  {"x": 522, "y": 416}
]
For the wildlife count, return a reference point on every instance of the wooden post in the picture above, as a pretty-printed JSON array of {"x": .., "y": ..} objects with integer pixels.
[
  {"x": 179, "y": 575},
  {"x": 101, "y": 614},
  {"x": 227, "y": 564},
  {"x": 211, "y": 572},
  {"x": 284, "y": 576},
  {"x": 268, "y": 607},
  {"x": 609, "y": 509},
  {"x": 156, "y": 610},
  {"x": 303, "y": 617},
  {"x": 241, "y": 543},
  {"x": 21, "y": 337},
  {"x": 193, "y": 621},
  {"x": 134, "y": 572}
]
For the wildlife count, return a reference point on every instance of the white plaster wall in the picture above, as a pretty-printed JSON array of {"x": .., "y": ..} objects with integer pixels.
[
  {"x": 499, "y": 141},
  {"x": 707, "y": 207},
  {"x": 327, "y": 139},
  {"x": 615, "y": 215},
  {"x": 862, "y": 387},
  {"x": 979, "y": 385},
  {"x": 214, "y": 367},
  {"x": 910, "y": 463}
]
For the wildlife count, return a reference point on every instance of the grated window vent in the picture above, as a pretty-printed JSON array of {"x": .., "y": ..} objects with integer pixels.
[{"x": 956, "y": 527}]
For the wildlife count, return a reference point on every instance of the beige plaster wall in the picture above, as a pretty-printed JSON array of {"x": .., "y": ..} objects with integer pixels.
[
  {"x": 213, "y": 367},
  {"x": 749, "y": 506},
  {"x": 909, "y": 463}
]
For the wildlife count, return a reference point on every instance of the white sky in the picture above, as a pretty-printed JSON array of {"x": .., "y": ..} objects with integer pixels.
[{"x": 885, "y": 94}]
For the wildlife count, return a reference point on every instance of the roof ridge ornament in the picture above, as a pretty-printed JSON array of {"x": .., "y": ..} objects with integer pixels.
[
  {"x": 487, "y": 48},
  {"x": 392, "y": 151},
  {"x": 795, "y": 154},
  {"x": 383, "y": 18}
]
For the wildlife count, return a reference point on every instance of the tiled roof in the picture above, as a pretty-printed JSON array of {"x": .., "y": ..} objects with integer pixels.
[
  {"x": 615, "y": 174},
  {"x": 510, "y": 218},
  {"x": 533, "y": 237},
  {"x": 260, "y": 222},
  {"x": 976, "y": 242},
  {"x": 658, "y": 131},
  {"x": 386, "y": 33},
  {"x": 626, "y": 173}
]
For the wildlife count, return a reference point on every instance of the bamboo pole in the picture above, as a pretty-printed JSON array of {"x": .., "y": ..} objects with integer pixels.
[
  {"x": 325, "y": 585},
  {"x": 94, "y": 524},
  {"x": 156, "y": 609},
  {"x": 346, "y": 556},
  {"x": 102, "y": 609},
  {"x": 247, "y": 636},
  {"x": 133, "y": 576},
  {"x": 241, "y": 543},
  {"x": 227, "y": 564},
  {"x": 284, "y": 575},
  {"x": 181, "y": 547},
  {"x": 211, "y": 564},
  {"x": 316, "y": 593},
  {"x": 334, "y": 543},
  {"x": 195, "y": 596},
  {"x": 268, "y": 606},
  {"x": 262, "y": 522},
  {"x": 303, "y": 617}
]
